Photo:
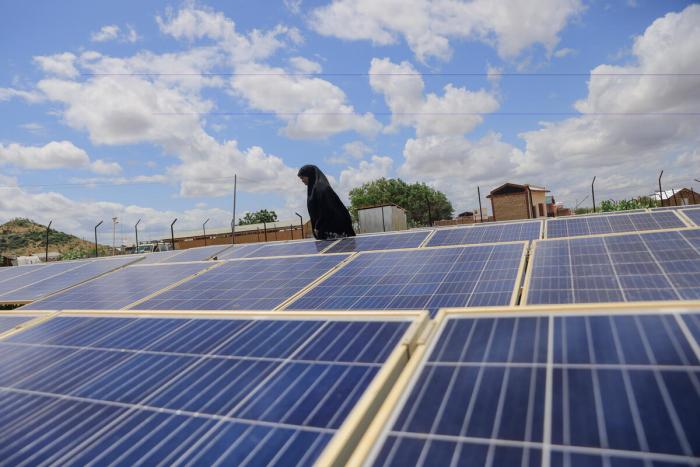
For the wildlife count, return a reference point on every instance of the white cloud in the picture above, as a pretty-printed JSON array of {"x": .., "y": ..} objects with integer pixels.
[
  {"x": 293, "y": 5},
  {"x": 304, "y": 65},
  {"x": 356, "y": 149},
  {"x": 564, "y": 52},
  {"x": 312, "y": 107},
  {"x": 59, "y": 64},
  {"x": 30, "y": 96},
  {"x": 366, "y": 171},
  {"x": 106, "y": 33},
  {"x": 431, "y": 114},
  {"x": 428, "y": 26},
  {"x": 54, "y": 155}
]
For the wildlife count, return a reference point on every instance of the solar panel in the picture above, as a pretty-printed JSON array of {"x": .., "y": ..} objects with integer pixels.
[
  {"x": 36, "y": 273},
  {"x": 393, "y": 241},
  {"x": 487, "y": 234},
  {"x": 591, "y": 225},
  {"x": 159, "y": 256},
  {"x": 87, "y": 270},
  {"x": 11, "y": 272},
  {"x": 230, "y": 390},
  {"x": 120, "y": 288},
  {"x": 8, "y": 322},
  {"x": 196, "y": 254},
  {"x": 239, "y": 251},
  {"x": 250, "y": 284},
  {"x": 290, "y": 248},
  {"x": 430, "y": 278},
  {"x": 616, "y": 268},
  {"x": 608, "y": 387},
  {"x": 693, "y": 215},
  {"x": 612, "y": 213},
  {"x": 682, "y": 206}
]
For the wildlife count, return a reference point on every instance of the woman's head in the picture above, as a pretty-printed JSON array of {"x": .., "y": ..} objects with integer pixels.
[{"x": 307, "y": 174}]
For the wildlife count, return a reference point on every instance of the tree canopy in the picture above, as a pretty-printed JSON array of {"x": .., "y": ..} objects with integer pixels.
[
  {"x": 258, "y": 217},
  {"x": 414, "y": 198}
]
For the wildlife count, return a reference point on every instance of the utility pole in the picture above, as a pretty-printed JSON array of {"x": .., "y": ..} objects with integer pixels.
[
  {"x": 96, "y": 253},
  {"x": 48, "y": 228},
  {"x": 114, "y": 233},
  {"x": 593, "y": 194},
  {"x": 481, "y": 211},
  {"x": 233, "y": 222},
  {"x": 136, "y": 231},
  {"x": 661, "y": 196},
  {"x": 204, "y": 228},
  {"x": 301, "y": 223},
  {"x": 172, "y": 233},
  {"x": 265, "y": 229}
]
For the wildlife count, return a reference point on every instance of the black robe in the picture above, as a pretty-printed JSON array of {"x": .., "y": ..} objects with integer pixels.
[{"x": 329, "y": 216}]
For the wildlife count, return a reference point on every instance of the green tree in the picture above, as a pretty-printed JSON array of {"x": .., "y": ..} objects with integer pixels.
[
  {"x": 415, "y": 198},
  {"x": 258, "y": 217}
]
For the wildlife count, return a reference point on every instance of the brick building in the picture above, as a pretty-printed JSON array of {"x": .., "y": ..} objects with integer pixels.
[
  {"x": 511, "y": 201},
  {"x": 679, "y": 197}
]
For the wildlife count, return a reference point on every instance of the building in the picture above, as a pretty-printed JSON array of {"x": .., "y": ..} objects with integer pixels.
[
  {"x": 511, "y": 201},
  {"x": 679, "y": 197},
  {"x": 251, "y": 233},
  {"x": 382, "y": 218}
]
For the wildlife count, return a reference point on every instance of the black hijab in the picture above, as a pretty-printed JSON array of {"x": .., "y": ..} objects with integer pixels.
[{"x": 329, "y": 216}]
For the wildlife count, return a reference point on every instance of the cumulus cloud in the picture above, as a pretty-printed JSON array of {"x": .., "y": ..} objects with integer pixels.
[
  {"x": 58, "y": 64},
  {"x": 54, "y": 155},
  {"x": 403, "y": 91},
  {"x": 428, "y": 26},
  {"x": 106, "y": 33},
  {"x": 366, "y": 171},
  {"x": 628, "y": 143},
  {"x": 304, "y": 65},
  {"x": 30, "y": 96}
]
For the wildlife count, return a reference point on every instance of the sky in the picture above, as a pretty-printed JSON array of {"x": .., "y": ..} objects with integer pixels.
[{"x": 147, "y": 110}]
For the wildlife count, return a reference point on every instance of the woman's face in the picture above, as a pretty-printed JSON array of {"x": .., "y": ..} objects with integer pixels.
[{"x": 304, "y": 180}]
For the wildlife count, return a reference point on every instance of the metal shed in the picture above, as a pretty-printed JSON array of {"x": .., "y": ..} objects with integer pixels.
[{"x": 382, "y": 218}]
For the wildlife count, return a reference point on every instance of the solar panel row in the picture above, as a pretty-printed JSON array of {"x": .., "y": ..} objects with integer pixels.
[
  {"x": 629, "y": 267},
  {"x": 487, "y": 233},
  {"x": 693, "y": 215},
  {"x": 591, "y": 225},
  {"x": 144, "y": 390},
  {"x": 8, "y": 322},
  {"x": 610, "y": 387},
  {"x": 428, "y": 278}
]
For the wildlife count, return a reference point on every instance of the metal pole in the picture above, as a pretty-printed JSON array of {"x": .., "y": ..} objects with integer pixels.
[
  {"x": 172, "y": 233},
  {"x": 430, "y": 216},
  {"x": 48, "y": 228},
  {"x": 675, "y": 201},
  {"x": 136, "y": 232},
  {"x": 204, "y": 227},
  {"x": 233, "y": 223},
  {"x": 692, "y": 192},
  {"x": 265, "y": 229},
  {"x": 291, "y": 231},
  {"x": 114, "y": 233},
  {"x": 661, "y": 196},
  {"x": 384, "y": 226},
  {"x": 593, "y": 193},
  {"x": 481, "y": 211},
  {"x": 258, "y": 232},
  {"x": 96, "y": 253},
  {"x": 301, "y": 224}
]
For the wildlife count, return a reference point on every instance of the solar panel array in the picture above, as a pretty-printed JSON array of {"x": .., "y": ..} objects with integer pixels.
[
  {"x": 120, "y": 288},
  {"x": 180, "y": 256},
  {"x": 487, "y": 233},
  {"x": 31, "y": 287},
  {"x": 8, "y": 322},
  {"x": 421, "y": 279},
  {"x": 693, "y": 215},
  {"x": 238, "y": 251},
  {"x": 630, "y": 267},
  {"x": 127, "y": 390},
  {"x": 289, "y": 248},
  {"x": 255, "y": 284},
  {"x": 591, "y": 225},
  {"x": 412, "y": 239},
  {"x": 606, "y": 388}
]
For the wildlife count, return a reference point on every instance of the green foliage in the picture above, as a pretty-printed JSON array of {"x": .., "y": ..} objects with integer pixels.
[
  {"x": 80, "y": 252},
  {"x": 258, "y": 217},
  {"x": 414, "y": 198},
  {"x": 642, "y": 202}
]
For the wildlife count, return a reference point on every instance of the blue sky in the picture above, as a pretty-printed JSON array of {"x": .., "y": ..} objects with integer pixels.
[{"x": 147, "y": 109}]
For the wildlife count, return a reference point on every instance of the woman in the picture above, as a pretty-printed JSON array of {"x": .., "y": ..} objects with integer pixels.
[{"x": 330, "y": 218}]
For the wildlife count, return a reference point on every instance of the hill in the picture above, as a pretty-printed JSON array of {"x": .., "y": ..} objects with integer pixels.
[{"x": 25, "y": 237}]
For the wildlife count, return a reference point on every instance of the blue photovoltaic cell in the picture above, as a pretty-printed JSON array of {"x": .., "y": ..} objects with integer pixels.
[
  {"x": 9, "y": 322},
  {"x": 118, "y": 289},
  {"x": 196, "y": 254},
  {"x": 239, "y": 251},
  {"x": 255, "y": 284},
  {"x": 290, "y": 248},
  {"x": 36, "y": 273},
  {"x": 143, "y": 391},
  {"x": 622, "y": 386},
  {"x": 159, "y": 256},
  {"x": 87, "y": 270},
  {"x": 590, "y": 225},
  {"x": 693, "y": 215},
  {"x": 612, "y": 213},
  {"x": 380, "y": 242},
  {"x": 487, "y": 234},
  {"x": 9, "y": 273},
  {"x": 634, "y": 267},
  {"x": 423, "y": 279}
]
